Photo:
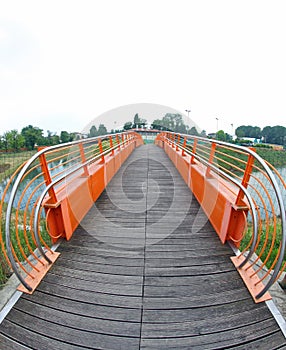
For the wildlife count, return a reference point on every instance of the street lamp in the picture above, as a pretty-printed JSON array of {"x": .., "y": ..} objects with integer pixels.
[
  {"x": 216, "y": 124},
  {"x": 188, "y": 111}
]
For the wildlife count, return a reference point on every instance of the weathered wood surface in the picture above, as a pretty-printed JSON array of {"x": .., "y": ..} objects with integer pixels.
[{"x": 145, "y": 270}]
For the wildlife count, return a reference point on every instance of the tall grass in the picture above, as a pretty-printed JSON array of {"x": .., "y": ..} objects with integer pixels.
[
  {"x": 9, "y": 162},
  {"x": 263, "y": 236}
]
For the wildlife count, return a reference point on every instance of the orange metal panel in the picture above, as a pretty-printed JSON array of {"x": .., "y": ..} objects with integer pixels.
[
  {"x": 214, "y": 194},
  {"x": 43, "y": 267},
  {"x": 236, "y": 225},
  {"x": 55, "y": 222},
  {"x": 117, "y": 160},
  {"x": 97, "y": 182},
  {"x": 183, "y": 166},
  {"x": 250, "y": 279},
  {"x": 109, "y": 169},
  {"x": 77, "y": 197}
]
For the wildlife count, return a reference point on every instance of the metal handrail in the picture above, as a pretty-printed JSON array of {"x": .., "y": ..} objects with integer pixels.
[
  {"x": 117, "y": 140},
  {"x": 55, "y": 182},
  {"x": 176, "y": 140},
  {"x": 247, "y": 194}
]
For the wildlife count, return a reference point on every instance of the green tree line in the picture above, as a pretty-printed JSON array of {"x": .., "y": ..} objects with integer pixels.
[
  {"x": 30, "y": 137},
  {"x": 269, "y": 134},
  {"x": 170, "y": 122}
]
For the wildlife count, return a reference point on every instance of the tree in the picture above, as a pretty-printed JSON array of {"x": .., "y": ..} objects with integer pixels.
[
  {"x": 127, "y": 126},
  {"x": 5, "y": 141},
  {"x": 51, "y": 139},
  {"x": 31, "y": 135},
  {"x": 101, "y": 130},
  {"x": 193, "y": 131},
  {"x": 157, "y": 124},
  {"x": 220, "y": 135},
  {"x": 15, "y": 140},
  {"x": 266, "y": 133},
  {"x": 203, "y": 133},
  {"x": 171, "y": 122},
  {"x": 274, "y": 134},
  {"x": 65, "y": 137},
  {"x": 239, "y": 133},
  {"x": 138, "y": 122},
  {"x": 228, "y": 137},
  {"x": 248, "y": 131},
  {"x": 93, "y": 131}
]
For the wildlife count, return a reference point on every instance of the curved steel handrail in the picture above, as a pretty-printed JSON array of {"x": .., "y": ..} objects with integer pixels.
[
  {"x": 245, "y": 191},
  {"x": 55, "y": 182},
  {"x": 171, "y": 137},
  {"x": 21, "y": 175}
]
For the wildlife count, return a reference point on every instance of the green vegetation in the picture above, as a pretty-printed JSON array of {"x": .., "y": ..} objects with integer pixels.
[
  {"x": 270, "y": 134},
  {"x": 24, "y": 236},
  {"x": 274, "y": 157},
  {"x": 30, "y": 137},
  {"x": 9, "y": 162},
  {"x": 93, "y": 132},
  {"x": 248, "y": 236},
  {"x": 4, "y": 270}
]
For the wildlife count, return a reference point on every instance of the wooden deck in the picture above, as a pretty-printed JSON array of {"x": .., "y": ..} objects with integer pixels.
[{"x": 145, "y": 270}]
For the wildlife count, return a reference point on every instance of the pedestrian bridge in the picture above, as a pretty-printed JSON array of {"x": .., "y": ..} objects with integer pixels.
[{"x": 121, "y": 245}]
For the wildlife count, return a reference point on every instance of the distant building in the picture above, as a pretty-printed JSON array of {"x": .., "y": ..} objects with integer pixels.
[
  {"x": 252, "y": 140},
  {"x": 212, "y": 135},
  {"x": 79, "y": 135}
]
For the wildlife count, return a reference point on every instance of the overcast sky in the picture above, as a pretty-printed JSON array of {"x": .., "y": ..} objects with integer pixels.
[{"x": 64, "y": 63}]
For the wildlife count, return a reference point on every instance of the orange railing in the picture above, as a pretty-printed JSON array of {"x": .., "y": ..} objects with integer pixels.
[
  {"x": 243, "y": 197},
  {"x": 40, "y": 202}
]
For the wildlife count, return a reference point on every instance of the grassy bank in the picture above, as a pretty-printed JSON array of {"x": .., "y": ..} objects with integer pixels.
[
  {"x": 5, "y": 271},
  {"x": 9, "y": 162},
  {"x": 263, "y": 237},
  {"x": 276, "y": 158}
]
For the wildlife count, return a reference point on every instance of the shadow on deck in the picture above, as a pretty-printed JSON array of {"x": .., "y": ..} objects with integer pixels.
[{"x": 144, "y": 270}]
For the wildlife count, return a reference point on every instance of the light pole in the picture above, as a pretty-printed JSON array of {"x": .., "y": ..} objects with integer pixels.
[
  {"x": 188, "y": 111},
  {"x": 216, "y": 124}
]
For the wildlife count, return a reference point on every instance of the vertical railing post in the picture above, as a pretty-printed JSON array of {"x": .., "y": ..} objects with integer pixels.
[
  {"x": 211, "y": 158},
  {"x": 47, "y": 175},
  {"x": 111, "y": 145},
  {"x": 101, "y": 150},
  {"x": 173, "y": 140},
  {"x": 246, "y": 177},
  {"x": 168, "y": 138},
  {"x": 178, "y": 141},
  {"x": 194, "y": 151},
  {"x": 117, "y": 141},
  {"x": 83, "y": 159},
  {"x": 184, "y": 146}
]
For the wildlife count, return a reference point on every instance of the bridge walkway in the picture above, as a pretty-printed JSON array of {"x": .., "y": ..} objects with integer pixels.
[{"x": 144, "y": 270}]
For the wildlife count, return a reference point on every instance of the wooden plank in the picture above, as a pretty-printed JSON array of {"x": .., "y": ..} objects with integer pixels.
[
  {"x": 91, "y": 296},
  {"x": 31, "y": 339},
  {"x": 71, "y": 335},
  {"x": 80, "y": 322},
  {"x": 220, "y": 340},
  {"x": 8, "y": 343},
  {"x": 71, "y": 304}
]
